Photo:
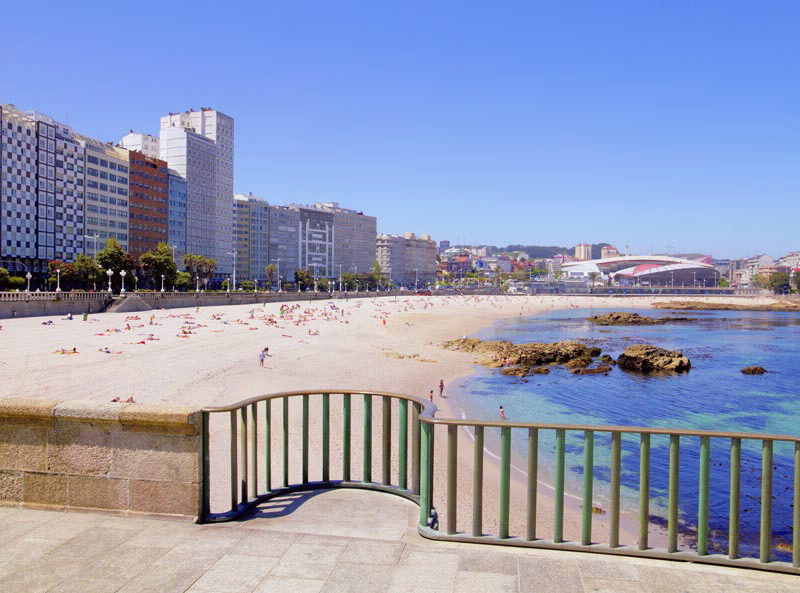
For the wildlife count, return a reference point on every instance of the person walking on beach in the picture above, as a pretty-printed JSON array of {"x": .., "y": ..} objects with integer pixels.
[
  {"x": 430, "y": 395},
  {"x": 502, "y": 413},
  {"x": 441, "y": 387},
  {"x": 261, "y": 356}
]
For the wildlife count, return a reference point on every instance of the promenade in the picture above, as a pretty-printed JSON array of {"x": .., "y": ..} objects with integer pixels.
[{"x": 333, "y": 541}]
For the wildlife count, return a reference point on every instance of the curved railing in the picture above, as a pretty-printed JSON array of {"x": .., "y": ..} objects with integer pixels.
[{"x": 407, "y": 458}]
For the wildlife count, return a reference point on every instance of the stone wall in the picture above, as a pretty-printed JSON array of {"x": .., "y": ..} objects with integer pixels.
[{"x": 90, "y": 455}]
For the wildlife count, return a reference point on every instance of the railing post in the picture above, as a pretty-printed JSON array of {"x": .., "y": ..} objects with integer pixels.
[
  {"x": 796, "y": 514},
  {"x": 734, "y": 500},
  {"x": 346, "y": 437},
  {"x": 367, "y": 438},
  {"x": 386, "y": 438},
  {"x": 477, "y": 484},
  {"x": 326, "y": 437},
  {"x": 243, "y": 465},
  {"x": 234, "y": 462},
  {"x": 533, "y": 471},
  {"x": 558, "y": 503},
  {"x": 205, "y": 468},
  {"x": 702, "y": 506},
  {"x": 268, "y": 444},
  {"x": 588, "y": 474},
  {"x": 644, "y": 490},
  {"x": 402, "y": 444},
  {"x": 505, "y": 480},
  {"x": 452, "y": 477},
  {"x": 415, "y": 448},
  {"x": 285, "y": 442},
  {"x": 673, "y": 496},
  {"x": 305, "y": 439},
  {"x": 253, "y": 454},
  {"x": 765, "y": 540},
  {"x": 426, "y": 456},
  {"x": 616, "y": 458}
]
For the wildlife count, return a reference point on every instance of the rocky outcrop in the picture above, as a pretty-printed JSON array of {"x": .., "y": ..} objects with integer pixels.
[
  {"x": 603, "y": 369},
  {"x": 754, "y": 370},
  {"x": 521, "y": 360},
  {"x": 646, "y": 359},
  {"x": 617, "y": 318}
]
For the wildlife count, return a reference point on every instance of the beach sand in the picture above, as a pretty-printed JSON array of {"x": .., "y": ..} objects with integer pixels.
[{"x": 210, "y": 356}]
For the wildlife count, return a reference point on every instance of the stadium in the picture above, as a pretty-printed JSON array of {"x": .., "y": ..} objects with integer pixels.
[{"x": 645, "y": 270}]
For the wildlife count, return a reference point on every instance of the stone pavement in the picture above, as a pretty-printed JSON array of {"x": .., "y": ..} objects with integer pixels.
[{"x": 336, "y": 541}]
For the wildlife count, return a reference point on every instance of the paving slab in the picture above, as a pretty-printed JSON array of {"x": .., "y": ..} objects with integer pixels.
[{"x": 301, "y": 551}]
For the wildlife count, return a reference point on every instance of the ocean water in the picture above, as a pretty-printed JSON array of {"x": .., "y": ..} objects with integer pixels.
[{"x": 714, "y": 395}]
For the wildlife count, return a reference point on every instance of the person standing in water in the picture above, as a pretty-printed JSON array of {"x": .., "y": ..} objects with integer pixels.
[{"x": 441, "y": 387}]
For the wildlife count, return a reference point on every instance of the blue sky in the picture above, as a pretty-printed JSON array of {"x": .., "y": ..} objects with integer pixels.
[{"x": 658, "y": 125}]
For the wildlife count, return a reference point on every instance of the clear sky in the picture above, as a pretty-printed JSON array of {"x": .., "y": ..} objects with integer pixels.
[{"x": 665, "y": 126}]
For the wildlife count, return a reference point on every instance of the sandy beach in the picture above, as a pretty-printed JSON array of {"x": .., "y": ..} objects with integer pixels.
[{"x": 210, "y": 356}]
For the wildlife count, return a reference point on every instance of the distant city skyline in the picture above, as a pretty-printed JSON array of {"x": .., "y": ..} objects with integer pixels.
[{"x": 668, "y": 128}]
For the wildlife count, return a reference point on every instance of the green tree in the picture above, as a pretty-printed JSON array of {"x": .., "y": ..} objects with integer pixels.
[
  {"x": 349, "y": 281},
  {"x": 247, "y": 285},
  {"x": 159, "y": 262},
  {"x": 270, "y": 271},
  {"x": 377, "y": 273},
  {"x": 183, "y": 281},
  {"x": 4, "y": 276},
  {"x": 17, "y": 283},
  {"x": 303, "y": 279},
  {"x": 723, "y": 283},
  {"x": 113, "y": 257},
  {"x": 63, "y": 270},
  {"x": 323, "y": 285},
  {"x": 779, "y": 282},
  {"x": 87, "y": 271}
]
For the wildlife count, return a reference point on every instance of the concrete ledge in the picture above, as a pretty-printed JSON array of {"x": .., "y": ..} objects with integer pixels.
[
  {"x": 29, "y": 411},
  {"x": 100, "y": 455}
]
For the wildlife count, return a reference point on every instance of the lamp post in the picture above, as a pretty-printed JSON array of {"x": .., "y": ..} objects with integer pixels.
[
  {"x": 233, "y": 253},
  {"x": 340, "y": 277},
  {"x": 162, "y": 282},
  {"x": 28, "y": 278},
  {"x": 122, "y": 273},
  {"x": 355, "y": 268},
  {"x": 135, "y": 282},
  {"x": 255, "y": 285},
  {"x": 198, "y": 283},
  {"x": 58, "y": 279},
  {"x": 110, "y": 273}
]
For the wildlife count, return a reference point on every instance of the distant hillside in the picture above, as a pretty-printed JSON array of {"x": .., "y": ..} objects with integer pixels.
[{"x": 539, "y": 251}]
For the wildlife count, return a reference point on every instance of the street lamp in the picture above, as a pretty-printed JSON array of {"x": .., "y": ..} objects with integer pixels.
[
  {"x": 162, "y": 282},
  {"x": 233, "y": 253},
  {"x": 58, "y": 279},
  {"x": 122, "y": 273},
  {"x": 135, "y": 282},
  {"x": 340, "y": 277},
  {"x": 110, "y": 273},
  {"x": 355, "y": 268},
  {"x": 28, "y": 278},
  {"x": 198, "y": 283},
  {"x": 255, "y": 285}
]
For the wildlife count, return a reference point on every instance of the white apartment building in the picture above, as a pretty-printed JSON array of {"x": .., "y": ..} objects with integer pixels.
[
  {"x": 147, "y": 144},
  {"x": 354, "y": 237},
  {"x": 198, "y": 145},
  {"x": 41, "y": 191},
  {"x": 107, "y": 188},
  {"x": 407, "y": 259}
]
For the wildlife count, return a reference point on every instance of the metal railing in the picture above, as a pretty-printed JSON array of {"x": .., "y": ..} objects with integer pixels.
[{"x": 407, "y": 458}]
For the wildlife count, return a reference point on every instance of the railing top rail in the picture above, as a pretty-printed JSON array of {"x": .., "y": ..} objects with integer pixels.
[
  {"x": 622, "y": 429},
  {"x": 429, "y": 409}
]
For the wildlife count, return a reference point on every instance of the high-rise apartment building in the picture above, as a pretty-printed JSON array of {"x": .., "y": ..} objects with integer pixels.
[
  {"x": 107, "y": 189},
  {"x": 198, "y": 145},
  {"x": 583, "y": 251},
  {"x": 284, "y": 241},
  {"x": 316, "y": 241},
  {"x": 353, "y": 238},
  {"x": 177, "y": 216},
  {"x": 251, "y": 235},
  {"x": 608, "y": 251},
  {"x": 148, "y": 204},
  {"x": 144, "y": 143},
  {"x": 407, "y": 259},
  {"x": 41, "y": 191}
]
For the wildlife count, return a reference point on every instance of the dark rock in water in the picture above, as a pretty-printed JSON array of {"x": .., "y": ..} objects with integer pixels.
[
  {"x": 539, "y": 371},
  {"x": 600, "y": 370},
  {"x": 608, "y": 359},
  {"x": 625, "y": 319},
  {"x": 646, "y": 359},
  {"x": 754, "y": 370}
]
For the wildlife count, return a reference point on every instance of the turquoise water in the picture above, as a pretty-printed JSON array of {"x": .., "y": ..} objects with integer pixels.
[{"x": 714, "y": 395}]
